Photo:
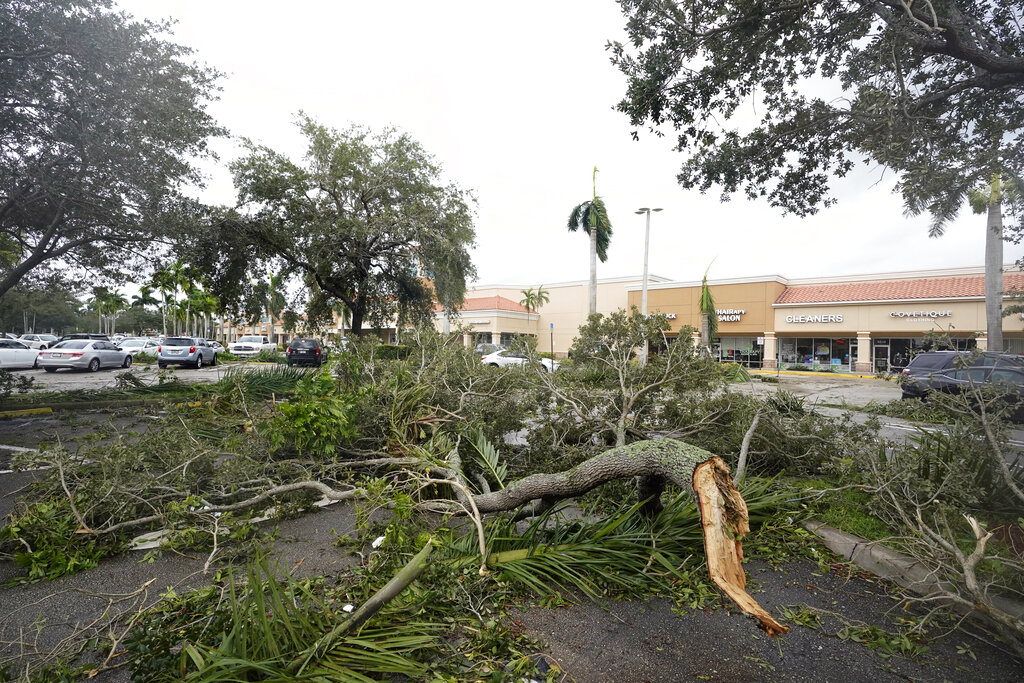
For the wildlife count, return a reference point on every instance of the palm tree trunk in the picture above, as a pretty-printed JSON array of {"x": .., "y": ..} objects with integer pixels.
[
  {"x": 994, "y": 274},
  {"x": 593, "y": 270}
]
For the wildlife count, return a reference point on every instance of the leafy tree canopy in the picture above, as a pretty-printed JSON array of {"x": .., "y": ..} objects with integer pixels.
[
  {"x": 931, "y": 89},
  {"x": 365, "y": 218},
  {"x": 100, "y": 119}
]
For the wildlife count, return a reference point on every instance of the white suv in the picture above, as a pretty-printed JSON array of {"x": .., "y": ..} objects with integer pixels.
[{"x": 251, "y": 345}]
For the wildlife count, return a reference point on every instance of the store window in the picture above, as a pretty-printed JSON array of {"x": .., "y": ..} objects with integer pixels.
[
  {"x": 743, "y": 350},
  {"x": 817, "y": 353}
]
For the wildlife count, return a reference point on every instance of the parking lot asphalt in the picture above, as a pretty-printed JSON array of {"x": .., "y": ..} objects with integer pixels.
[{"x": 68, "y": 380}]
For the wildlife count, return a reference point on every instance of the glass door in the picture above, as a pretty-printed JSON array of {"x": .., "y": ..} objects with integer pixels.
[
  {"x": 851, "y": 366},
  {"x": 882, "y": 357}
]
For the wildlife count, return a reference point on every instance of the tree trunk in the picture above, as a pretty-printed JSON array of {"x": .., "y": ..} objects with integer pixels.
[
  {"x": 705, "y": 331},
  {"x": 593, "y": 270},
  {"x": 994, "y": 274},
  {"x": 704, "y": 476}
]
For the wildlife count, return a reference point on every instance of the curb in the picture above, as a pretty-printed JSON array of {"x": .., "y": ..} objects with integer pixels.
[
  {"x": 4, "y": 414},
  {"x": 892, "y": 565},
  {"x": 816, "y": 374}
]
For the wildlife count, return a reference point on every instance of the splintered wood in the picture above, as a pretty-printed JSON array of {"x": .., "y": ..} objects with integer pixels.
[{"x": 723, "y": 514}]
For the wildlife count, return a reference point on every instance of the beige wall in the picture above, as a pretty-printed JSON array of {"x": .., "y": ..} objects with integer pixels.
[
  {"x": 755, "y": 299},
  {"x": 967, "y": 317},
  {"x": 566, "y": 309}
]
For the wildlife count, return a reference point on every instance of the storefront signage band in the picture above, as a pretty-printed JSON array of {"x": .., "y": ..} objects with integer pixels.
[
  {"x": 823, "y": 318},
  {"x": 921, "y": 314}
]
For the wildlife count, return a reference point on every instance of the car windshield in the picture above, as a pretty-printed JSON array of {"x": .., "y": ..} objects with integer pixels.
[
  {"x": 47, "y": 337},
  {"x": 255, "y": 340},
  {"x": 74, "y": 344},
  {"x": 178, "y": 341},
  {"x": 305, "y": 344},
  {"x": 133, "y": 342}
]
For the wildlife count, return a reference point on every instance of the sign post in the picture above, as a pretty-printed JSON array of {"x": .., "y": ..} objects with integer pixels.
[{"x": 552, "y": 344}]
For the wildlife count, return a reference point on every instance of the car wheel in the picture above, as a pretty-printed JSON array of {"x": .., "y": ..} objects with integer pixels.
[
  {"x": 199, "y": 361},
  {"x": 127, "y": 361},
  {"x": 94, "y": 365},
  {"x": 50, "y": 369},
  {"x": 161, "y": 365},
  {"x": 495, "y": 365},
  {"x": 214, "y": 363},
  {"x": 35, "y": 365}
]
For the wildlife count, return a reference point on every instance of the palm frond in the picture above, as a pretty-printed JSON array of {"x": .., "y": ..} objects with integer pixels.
[
  {"x": 598, "y": 220},
  {"x": 576, "y": 217},
  {"x": 490, "y": 458}
]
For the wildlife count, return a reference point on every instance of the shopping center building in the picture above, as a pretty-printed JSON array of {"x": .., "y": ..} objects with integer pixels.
[{"x": 863, "y": 323}]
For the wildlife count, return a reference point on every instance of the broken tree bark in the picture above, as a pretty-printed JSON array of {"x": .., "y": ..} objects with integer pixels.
[{"x": 694, "y": 470}]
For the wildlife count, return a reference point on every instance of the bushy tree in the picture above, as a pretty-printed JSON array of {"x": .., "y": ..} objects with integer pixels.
[
  {"x": 101, "y": 121},
  {"x": 366, "y": 218}
]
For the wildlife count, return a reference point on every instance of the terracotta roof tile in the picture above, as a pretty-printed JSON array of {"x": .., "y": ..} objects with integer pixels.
[
  {"x": 487, "y": 303},
  {"x": 896, "y": 290}
]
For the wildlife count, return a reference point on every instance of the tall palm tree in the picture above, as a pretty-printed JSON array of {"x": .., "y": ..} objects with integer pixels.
[
  {"x": 990, "y": 199},
  {"x": 164, "y": 281},
  {"x": 144, "y": 297},
  {"x": 708, "y": 316},
  {"x": 275, "y": 301},
  {"x": 592, "y": 217},
  {"x": 115, "y": 303}
]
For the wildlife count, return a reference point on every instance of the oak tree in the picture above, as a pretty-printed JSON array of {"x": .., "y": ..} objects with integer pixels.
[
  {"x": 101, "y": 119},
  {"x": 366, "y": 218}
]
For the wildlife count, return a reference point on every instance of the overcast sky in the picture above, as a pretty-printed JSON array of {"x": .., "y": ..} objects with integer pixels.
[{"x": 515, "y": 100}]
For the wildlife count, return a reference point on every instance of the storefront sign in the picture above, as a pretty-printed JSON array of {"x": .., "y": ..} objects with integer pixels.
[
  {"x": 921, "y": 314},
  {"x": 823, "y": 318},
  {"x": 729, "y": 315}
]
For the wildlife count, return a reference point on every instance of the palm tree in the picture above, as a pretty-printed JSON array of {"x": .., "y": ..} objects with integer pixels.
[
  {"x": 164, "y": 281},
  {"x": 274, "y": 301},
  {"x": 144, "y": 298},
  {"x": 115, "y": 303},
  {"x": 533, "y": 300},
  {"x": 708, "y": 315},
  {"x": 592, "y": 217},
  {"x": 989, "y": 199}
]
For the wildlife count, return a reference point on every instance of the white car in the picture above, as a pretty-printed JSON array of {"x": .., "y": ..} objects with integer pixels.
[
  {"x": 251, "y": 345},
  {"x": 503, "y": 358},
  {"x": 136, "y": 345},
  {"x": 15, "y": 354},
  {"x": 38, "y": 341},
  {"x": 216, "y": 345}
]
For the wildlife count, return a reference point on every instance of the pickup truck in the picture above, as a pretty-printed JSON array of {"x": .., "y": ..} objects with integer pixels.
[{"x": 251, "y": 345}]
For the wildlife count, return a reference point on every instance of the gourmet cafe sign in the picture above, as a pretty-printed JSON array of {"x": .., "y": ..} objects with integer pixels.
[{"x": 917, "y": 315}]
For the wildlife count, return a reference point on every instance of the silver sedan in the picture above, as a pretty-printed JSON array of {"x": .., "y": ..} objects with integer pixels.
[{"x": 84, "y": 354}]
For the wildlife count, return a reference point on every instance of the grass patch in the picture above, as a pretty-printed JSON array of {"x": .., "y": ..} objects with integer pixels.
[{"x": 846, "y": 509}]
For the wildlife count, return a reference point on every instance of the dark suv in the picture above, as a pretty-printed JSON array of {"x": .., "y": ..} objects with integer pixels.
[
  {"x": 304, "y": 351},
  {"x": 953, "y": 371}
]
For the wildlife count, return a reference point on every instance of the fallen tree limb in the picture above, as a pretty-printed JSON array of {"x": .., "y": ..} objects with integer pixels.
[{"x": 703, "y": 475}]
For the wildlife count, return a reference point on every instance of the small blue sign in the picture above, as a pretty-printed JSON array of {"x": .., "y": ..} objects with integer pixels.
[{"x": 552, "y": 326}]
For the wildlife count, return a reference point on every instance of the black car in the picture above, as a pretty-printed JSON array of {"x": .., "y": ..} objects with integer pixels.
[
  {"x": 953, "y": 371},
  {"x": 304, "y": 351}
]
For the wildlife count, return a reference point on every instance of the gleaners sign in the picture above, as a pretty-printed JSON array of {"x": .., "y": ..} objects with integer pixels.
[
  {"x": 823, "y": 318},
  {"x": 921, "y": 314}
]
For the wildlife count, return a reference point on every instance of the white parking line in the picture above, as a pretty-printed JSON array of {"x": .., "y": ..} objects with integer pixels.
[{"x": 21, "y": 449}]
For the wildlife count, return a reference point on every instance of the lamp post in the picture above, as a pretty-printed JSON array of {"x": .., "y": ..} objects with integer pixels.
[{"x": 647, "y": 244}]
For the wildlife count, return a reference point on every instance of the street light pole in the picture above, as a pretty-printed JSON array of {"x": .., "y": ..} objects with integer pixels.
[{"x": 647, "y": 245}]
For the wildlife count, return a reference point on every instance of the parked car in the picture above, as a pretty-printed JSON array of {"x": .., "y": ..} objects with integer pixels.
[
  {"x": 503, "y": 358},
  {"x": 83, "y": 335},
  {"x": 250, "y": 345},
  {"x": 38, "y": 341},
  {"x": 953, "y": 371},
  {"x": 216, "y": 345},
  {"x": 84, "y": 354},
  {"x": 191, "y": 351},
  {"x": 486, "y": 348},
  {"x": 135, "y": 345},
  {"x": 305, "y": 351},
  {"x": 14, "y": 353}
]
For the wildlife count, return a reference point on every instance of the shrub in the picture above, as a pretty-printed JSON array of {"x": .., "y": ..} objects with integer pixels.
[
  {"x": 144, "y": 358},
  {"x": 267, "y": 357},
  {"x": 392, "y": 352}
]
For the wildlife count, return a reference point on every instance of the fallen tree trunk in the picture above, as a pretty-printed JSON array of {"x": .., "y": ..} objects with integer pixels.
[{"x": 694, "y": 470}]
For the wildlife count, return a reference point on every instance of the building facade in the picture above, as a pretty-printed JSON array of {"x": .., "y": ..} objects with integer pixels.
[{"x": 862, "y": 323}]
